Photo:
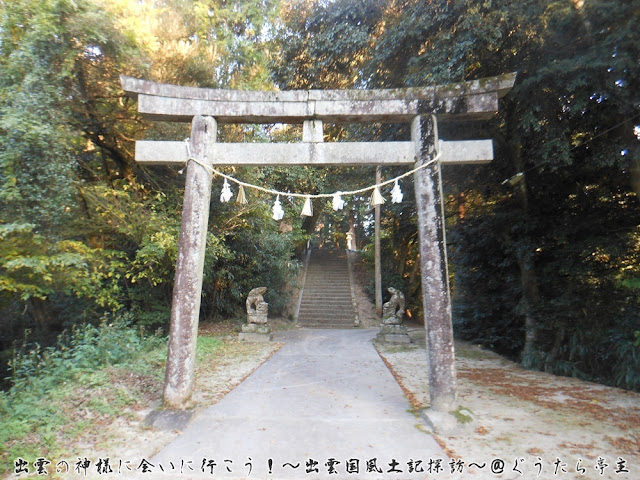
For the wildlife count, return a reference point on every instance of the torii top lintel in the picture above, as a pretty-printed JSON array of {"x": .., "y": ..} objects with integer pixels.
[{"x": 476, "y": 99}]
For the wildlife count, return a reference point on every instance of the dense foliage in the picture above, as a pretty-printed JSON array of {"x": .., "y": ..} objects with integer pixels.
[
  {"x": 83, "y": 230},
  {"x": 545, "y": 268}
]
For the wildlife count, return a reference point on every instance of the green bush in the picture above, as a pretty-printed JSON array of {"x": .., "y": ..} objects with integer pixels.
[
  {"x": 46, "y": 383},
  {"x": 36, "y": 370},
  {"x": 255, "y": 258}
]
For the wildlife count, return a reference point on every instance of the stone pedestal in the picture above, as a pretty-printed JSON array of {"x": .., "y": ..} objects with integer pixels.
[
  {"x": 253, "y": 332},
  {"x": 393, "y": 334}
]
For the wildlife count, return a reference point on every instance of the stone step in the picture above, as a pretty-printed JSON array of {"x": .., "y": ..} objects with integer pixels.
[
  {"x": 322, "y": 275},
  {"x": 322, "y": 278},
  {"x": 318, "y": 282},
  {"x": 327, "y": 310},
  {"x": 328, "y": 263},
  {"x": 320, "y": 316},
  {"x": 335, "y": 308},
  {"x": 322, "y": 305},
  {"x": 329, "y": 266},
  {"x": 326, "y": 298},
  {"x": 326, "y": 280},
  {"x": 325, "y": 307},
  {"x": 339, "y": 265},
  {"x": 328, "y": 290},
  {"x": 342, "y": 310},
  {"x": 319, "y": 305},
  {"x": 319, "y": 302},
  {"x": 327, "y": 325},
  {"x": 325, "y": 321},
  {"x": 326, "y": 293},
  {"x": 328, "y": 283}
]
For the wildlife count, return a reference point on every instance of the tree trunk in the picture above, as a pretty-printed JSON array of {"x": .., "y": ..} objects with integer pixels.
[
  {"x": 555, "y": 350},
  {"x": 635, "y": 176},
  {"x": 309, "y": 223},
  {"x": 531, "y": 297},
  {"x": 401, "y": 262},
  {"x": 413, "y": 276},
  {"x": 40, "y": 315},
  {"x": 526, "y": 264},
  {"x": 462, "y": 206},
  {"x": 352, "y": 231}
]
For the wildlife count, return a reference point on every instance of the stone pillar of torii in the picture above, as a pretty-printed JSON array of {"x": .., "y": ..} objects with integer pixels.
[{"x": 422, "y": 107}]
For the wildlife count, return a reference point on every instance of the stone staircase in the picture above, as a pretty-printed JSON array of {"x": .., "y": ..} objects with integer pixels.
[{"x": 327, "y": 301}]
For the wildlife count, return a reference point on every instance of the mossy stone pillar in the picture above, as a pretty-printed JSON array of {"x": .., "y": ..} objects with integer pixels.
[
  {"x": 433, "y": 267},
  {"x": 187, "y": 288}
]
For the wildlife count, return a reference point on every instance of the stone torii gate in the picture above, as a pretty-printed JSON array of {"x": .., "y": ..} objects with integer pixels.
[{"x": 421, "y": 107}]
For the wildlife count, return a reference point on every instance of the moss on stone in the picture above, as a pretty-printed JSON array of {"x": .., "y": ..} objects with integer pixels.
[{"x": 463, "y": 415}]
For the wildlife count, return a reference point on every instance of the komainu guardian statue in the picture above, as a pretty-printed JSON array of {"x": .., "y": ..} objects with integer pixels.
[
  {"x": 257, "y": 328},
  {"x": 392, "y": 330},
  {"x": 393, "y": 310},
  {"x": 257, "y": 308}
]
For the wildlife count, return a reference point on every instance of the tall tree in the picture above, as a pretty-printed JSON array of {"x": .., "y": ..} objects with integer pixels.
[
  {"x": 72, "y": 197},
  {"x": 534, "y": 257},
  {"x": 567, "y": 131},
  {"x": 48, "y": 133}
]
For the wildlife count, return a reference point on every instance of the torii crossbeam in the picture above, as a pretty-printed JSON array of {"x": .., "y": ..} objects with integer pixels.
[{"x": 421, "y": 107}]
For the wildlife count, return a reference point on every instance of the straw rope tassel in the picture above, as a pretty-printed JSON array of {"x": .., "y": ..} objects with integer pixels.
[
  {"x": 307, "y": 210},
  {"x": 377, "y": 198},
  {"x": 241, "y": 198}
]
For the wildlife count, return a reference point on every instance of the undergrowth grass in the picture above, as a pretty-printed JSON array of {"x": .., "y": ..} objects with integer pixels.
[
  {"x": 207, "y": 347},
  {"x": 61, "y": 393}
]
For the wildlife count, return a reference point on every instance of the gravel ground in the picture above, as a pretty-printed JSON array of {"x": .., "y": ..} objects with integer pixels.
[{"x": 536, "y": 423}]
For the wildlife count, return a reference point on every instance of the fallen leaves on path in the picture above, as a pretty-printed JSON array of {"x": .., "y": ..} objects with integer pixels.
[{"x": 521, "y": 413}]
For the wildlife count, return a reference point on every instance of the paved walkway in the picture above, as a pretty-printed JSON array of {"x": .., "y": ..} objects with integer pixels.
[{"x": 325, "y": 397}]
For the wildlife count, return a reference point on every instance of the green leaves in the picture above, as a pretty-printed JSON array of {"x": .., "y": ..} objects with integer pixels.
[
  {"x": 324, "y": 45},
  {"x": 78, "y": 220},
  {"x": 31, "y": 267},
  {"x": 556, "y": 253}
]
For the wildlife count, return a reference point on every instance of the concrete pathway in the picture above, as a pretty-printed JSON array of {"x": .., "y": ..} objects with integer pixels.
[{"x": 325, "y": 397}]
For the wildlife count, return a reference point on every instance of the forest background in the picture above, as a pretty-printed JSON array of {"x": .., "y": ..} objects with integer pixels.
[{"x": 544, "y": 242}]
